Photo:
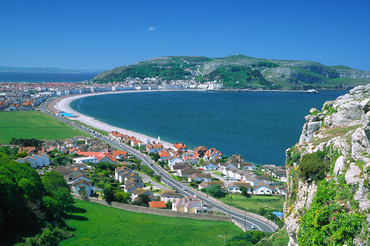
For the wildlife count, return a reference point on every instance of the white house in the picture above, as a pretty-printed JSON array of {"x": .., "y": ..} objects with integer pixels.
[
  {"x": 209, "y": 166},
  {"x": 85, "y": 159},
  {"x": 200, "y": 177},
  {"x": 235, "y": 187},
  {"x": 164, "y": 155},
  {"x": 173, "y": 160},
  {"x": 246, "y": 166},
  {"x": 154, "y": 148},
  {"x": 263, "y": 188}
]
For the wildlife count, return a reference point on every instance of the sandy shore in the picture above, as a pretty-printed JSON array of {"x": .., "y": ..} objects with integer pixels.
[{"x": 63, "y": 104}]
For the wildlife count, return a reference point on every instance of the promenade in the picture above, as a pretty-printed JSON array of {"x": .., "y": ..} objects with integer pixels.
[{"x": 63, "y": 104}]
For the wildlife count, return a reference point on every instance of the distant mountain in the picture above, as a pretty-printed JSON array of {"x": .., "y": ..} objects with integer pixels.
[
  {"x": 241, "y": 71},
  {"x": 44, "y": 70}
]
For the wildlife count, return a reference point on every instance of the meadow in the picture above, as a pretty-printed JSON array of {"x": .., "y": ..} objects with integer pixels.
[
  {"x": 34, "y": 124},
  {"x": 95, "y": 224},
  {"x": 254, "y": 202}
]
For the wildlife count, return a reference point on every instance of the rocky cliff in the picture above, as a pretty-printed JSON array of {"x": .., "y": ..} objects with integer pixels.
[{"x": 329, "y": 173}]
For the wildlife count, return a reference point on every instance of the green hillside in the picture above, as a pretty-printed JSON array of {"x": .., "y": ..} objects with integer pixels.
[
  {"x": 95, "y": 224},
  {"x": 239, "y": 71}
]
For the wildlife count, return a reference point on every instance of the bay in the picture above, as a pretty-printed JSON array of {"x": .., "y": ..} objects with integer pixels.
[
  {"x": 258, "y": 125},
  {"x": 45, "y": 77}
]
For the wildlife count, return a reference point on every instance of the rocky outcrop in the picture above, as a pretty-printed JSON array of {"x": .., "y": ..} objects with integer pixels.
[{"x": 341, "y": 130}]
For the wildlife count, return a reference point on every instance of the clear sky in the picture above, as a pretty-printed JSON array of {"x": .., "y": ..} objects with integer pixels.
[{"x": 98, "y": 34}]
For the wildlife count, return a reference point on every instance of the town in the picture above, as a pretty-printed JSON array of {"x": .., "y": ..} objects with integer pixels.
[
  {"x": 95, "y": 169},
  {"x": 16, "y": 96}
]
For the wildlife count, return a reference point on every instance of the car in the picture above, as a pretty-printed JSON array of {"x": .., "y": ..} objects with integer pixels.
[{"x": 254, "y": 227}]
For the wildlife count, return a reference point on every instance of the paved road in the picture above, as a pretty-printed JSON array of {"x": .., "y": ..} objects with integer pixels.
[{"x": 240, "y": 217}]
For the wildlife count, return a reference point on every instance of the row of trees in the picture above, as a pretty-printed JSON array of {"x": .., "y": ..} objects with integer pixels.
[{"x": 27, "y": 142}]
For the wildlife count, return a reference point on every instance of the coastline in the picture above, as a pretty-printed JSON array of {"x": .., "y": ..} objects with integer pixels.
[{"x": 63, "y": 104}]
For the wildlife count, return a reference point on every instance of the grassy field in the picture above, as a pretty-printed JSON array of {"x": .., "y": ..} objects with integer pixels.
[
  {"x": 95, "y": 224},
  {"x": 34, "y": 124},
  {"x": 254, "y": 203}
]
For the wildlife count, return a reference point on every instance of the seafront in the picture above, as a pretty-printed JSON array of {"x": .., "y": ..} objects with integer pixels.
[{"x": 63, "y": 104}]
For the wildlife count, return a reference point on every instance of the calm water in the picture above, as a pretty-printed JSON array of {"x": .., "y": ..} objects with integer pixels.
[
  {"x": 45, "y": 77},
  {"x": 258, "y": 125}
]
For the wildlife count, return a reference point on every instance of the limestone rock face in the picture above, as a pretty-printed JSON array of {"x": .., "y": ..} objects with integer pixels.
[
  {"x": 360, "y": 144},
  {"x": 353, "y": 175},
  {"x": 309, "y": 129},
  {"x": 341, "y": 129},
  {"x": 340, "y": 164},
  {"x": 305, "y": 195},
  {"x": 350, "y": 108}
]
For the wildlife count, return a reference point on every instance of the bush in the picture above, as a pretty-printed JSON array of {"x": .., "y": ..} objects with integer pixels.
[
  {"x": 314, "y": 166},
  {"x": 215, "y": 191},
  {"x": 246, "y": 239},
  {"x": 157, "y": 177},
  {"x": 50, "y": 236}
]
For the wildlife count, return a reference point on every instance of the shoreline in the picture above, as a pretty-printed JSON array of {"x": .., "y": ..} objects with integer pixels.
[{"x": 63, "y": 104}]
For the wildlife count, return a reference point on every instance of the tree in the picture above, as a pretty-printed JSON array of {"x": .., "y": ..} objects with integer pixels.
[
  {"x": 169, "y": 204},
  {"x": 155, "y": 156},
  {"x": 106, "y": 166},
  {"x": 108, "y": 193},
  {"x": 248, "y": 238},
  {"x": 27, "y": 142},
  {"x": 157, "y": 177},
  {"x": 244, "y": 191},
  {"x": 59, "y": 199},
  {"x": 215, "y": 191},
  {"x": 83, "y": 193},
  {"x": 142, "y": 200},
  {"x": 53, "y": 180},
  {"x": 123, "y": 197},
  {"x": 22, "y": 154}
]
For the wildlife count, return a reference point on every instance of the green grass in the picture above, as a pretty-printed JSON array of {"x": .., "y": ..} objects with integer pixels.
[
  {"x": 34, "y": 124},
  {"x": 217, "y": 173},
  {"x": 95, "y": 224},
  {"x": 254, "y": 203}
]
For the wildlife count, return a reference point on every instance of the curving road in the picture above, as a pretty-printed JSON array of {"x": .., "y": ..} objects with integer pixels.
[{"x": 242, "y": 218}]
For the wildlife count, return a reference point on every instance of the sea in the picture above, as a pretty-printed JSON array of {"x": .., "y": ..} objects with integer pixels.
[
  {"x": 258, "y": 125},
  {"x": 45, "y": 77}
]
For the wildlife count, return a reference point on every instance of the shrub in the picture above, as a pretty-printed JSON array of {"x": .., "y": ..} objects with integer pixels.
[
  {"x": 314, "y": 166},
  {"x": 247, "y": 238}
]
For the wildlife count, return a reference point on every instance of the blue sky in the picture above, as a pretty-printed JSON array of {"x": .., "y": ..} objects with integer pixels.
[{"x": 105, "y": 34}]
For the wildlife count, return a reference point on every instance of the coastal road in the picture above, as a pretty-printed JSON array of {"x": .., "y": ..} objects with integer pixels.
[{"x": 243, "y": 219}]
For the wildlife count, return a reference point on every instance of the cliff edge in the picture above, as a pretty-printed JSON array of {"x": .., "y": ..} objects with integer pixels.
[{"x": 328, "y": 174}]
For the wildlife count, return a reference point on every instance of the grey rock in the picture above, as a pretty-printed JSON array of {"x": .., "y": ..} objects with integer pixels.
[
  {"x": 340, "y": 164},
  {"x": 362, "y": 197},
  {"x": 360, "y": 144},
  {"x": 308, "y": 130},
  {"x": 353, "y": 175}
]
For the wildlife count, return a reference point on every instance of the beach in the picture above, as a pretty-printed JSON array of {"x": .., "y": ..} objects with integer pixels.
[{"x": 63, "y": 104}]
